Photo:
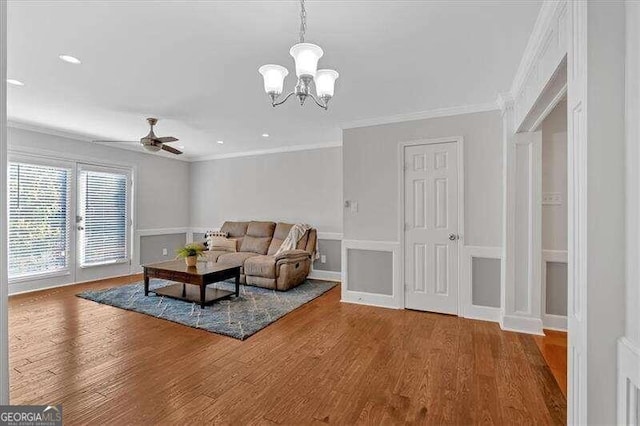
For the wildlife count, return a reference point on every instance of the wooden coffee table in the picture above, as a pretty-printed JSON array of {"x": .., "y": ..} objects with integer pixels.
[{"x": 201, "y": 275}]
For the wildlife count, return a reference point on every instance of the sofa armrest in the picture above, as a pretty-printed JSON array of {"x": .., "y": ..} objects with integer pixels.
[{"x": 293, "y": 255}]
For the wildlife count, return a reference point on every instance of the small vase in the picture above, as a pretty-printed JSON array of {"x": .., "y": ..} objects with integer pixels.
[{"x": 191, "y": 260}]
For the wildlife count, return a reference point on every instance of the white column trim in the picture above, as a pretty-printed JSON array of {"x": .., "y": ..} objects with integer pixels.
[
  {"x": 396, "y": 299},
  {"x": 4, "y": 288}
]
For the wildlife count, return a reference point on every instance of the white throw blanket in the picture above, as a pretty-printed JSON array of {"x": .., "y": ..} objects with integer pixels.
[{"x": 296, "y": 232}]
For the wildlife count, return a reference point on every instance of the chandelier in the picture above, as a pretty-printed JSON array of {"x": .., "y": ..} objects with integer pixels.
[{"x": 306, "y": 56}]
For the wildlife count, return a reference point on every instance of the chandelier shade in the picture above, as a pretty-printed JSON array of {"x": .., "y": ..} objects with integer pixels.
[
  {"x": 273, "y": 76},
  {"x": 306, "y": 57},
  {"x": 325, "y": 83}
]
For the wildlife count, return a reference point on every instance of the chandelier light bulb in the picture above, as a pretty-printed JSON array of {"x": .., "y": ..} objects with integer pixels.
[
  {"x": 273, "y": 76},
  {"x": 325, "y": 83},
  {"x": 306, "y": 57}
]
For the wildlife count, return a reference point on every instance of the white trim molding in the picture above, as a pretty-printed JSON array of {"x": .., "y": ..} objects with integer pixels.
[
  {"x": 543, "y": 55},
  {"x": 278, "y": 150},
  {"x": 4, "y": 306},
  {"x": 394, "y": 300},
  {"x": 628, "y": 383},
  {"x": 318, "y": 274},
  {"x": 468, "y": 309},
  {"x": 422, "y": 115}
]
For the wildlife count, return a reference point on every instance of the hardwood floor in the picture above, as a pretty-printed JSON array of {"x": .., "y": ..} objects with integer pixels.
[
  {"x": 553, "y": 347},
  {"x": 326, "y": 362}
]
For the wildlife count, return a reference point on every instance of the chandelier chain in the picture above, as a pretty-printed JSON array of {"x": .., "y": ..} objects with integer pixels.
[{"x": 303, "y": 21}]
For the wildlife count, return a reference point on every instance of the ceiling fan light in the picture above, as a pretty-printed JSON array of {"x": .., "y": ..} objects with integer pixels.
[
  {"x": 306, "y": 57},
  {"x": 152, "y": 148},
  {"x": 325, "y": 83},
  {"x": 273, "y": 76}
]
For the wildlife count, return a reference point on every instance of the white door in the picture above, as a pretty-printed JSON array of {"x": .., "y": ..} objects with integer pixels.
[
  {"x": 103, "y": 222},
  {"x": 431, "y": 227}
]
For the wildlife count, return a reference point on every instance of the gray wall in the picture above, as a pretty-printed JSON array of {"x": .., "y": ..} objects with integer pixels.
[
  {"x": 370, "y": 271},
  {"x": 370, "y": 169},
  {"x": 302, "y": 186},
  {"x": 556, "y": 289},
  {"x": 485, "y": 279},
  {"x": 162, "y": 191},
  {"x": 554, "y": 178},
  {"x": 370, "y": 174},
  {"x": 555, "y": 217},
  {"x": 332, "y": 249},
  {"x": 151, "y": 247}
]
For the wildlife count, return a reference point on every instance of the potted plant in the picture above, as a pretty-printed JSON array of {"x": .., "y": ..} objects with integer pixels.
[{"x": 190, "y": 253}]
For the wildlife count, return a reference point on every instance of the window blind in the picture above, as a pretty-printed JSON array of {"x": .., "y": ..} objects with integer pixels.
[
  {"x": 104, "y": 217},
  {"x": 38, "y": 219}
]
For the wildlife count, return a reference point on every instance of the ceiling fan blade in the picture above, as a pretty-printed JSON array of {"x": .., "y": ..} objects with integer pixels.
[
  {"x": 171, "y": 150},
  {"x": 166, "y": 139},
  {"x": 117, "y": 141}
]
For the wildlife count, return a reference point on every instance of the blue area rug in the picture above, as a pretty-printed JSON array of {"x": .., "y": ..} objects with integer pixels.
[{"x": 238, "y": 317}]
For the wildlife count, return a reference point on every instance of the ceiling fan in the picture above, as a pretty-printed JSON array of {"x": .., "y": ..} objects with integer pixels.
[{"x": 153, "y": 143}]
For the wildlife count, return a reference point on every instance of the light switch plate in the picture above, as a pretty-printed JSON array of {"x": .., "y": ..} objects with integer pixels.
[
  {"x": 353, "y": 206},
  {"x": 551, "y": 199},
  {"x": 165, "y": 252}
]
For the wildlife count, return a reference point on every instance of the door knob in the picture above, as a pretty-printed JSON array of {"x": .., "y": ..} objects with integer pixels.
[
  {"x": 453, "y": 237},
  {"x": 81, "y": 228}
]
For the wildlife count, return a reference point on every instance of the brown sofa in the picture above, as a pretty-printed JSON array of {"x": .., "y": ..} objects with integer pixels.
[{"x": 257, "y": 243}]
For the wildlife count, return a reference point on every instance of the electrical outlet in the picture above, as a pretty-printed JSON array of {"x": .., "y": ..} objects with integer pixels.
[
  {"x": 323, "y": 258},
  {"x": 165, "y": 252},
  {"x": 551, "y": 199}
]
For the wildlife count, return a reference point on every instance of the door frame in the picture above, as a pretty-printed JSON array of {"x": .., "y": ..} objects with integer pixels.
[{"x": 459, "y": 141}]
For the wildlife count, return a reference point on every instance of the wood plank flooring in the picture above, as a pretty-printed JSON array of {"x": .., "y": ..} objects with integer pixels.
[{"x": 326, "y": 362}]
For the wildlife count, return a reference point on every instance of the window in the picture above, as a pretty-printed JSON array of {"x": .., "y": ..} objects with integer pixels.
[
  {"x": 103, "y": 219},
  {"x": 38, "y": 219}
]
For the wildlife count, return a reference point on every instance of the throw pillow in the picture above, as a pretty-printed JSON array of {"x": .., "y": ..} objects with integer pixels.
[
  {"x": 222, "y": 244},
  {"x": 209, "y": 234}
]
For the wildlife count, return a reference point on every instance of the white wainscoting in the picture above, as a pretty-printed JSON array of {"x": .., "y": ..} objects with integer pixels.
[
  {"x": 396, "y": 299},
  {"x": 550, "y": 321},
  {"x": 467, "y": 308},
  {"x": 628, "y": 383}
]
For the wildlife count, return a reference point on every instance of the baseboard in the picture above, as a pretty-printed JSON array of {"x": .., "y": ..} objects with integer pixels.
[
  {"x": 628, "y": 382},
  {"x": 554, "y": 322},
  {"x": 325, "y": 275},
  {"x": 483, "y": 313},
  {"x": 370, "y": 299},
  {"x": 28, "y": 289},
  {"x": 522, "y": 324}
]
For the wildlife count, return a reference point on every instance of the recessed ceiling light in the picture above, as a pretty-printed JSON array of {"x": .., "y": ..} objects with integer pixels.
[
  {"x": 265, "y": 135},
  {"x": 15, "y": 82},
  {"x": 70, "y": 59},
  {"x": 220, "y": 142}
]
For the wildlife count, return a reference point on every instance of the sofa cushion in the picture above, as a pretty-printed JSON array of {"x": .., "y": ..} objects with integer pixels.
[
  {"x": 279, "y": 235},
  {"x": 257, "y": 245},
  {"x": 222, "y": 243},
  {"x": 261, "y": 229},
  {"x": 213, "y": 255},
  {"x": 235, "y": 258},
  {"x": 235, "y": 229},
  {"x": 261, "y": 266},
  {"x": 258, "y": 237}
]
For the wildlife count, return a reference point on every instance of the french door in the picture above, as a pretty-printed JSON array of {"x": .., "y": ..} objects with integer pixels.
[
  {"x": 68, "y": 222},
  {"x": 102, "y": 222}
]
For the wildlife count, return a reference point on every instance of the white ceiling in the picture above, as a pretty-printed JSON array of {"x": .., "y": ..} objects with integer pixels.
[{"x": 194, "y": 65}]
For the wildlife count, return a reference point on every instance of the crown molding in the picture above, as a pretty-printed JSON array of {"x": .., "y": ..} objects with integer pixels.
[
  {"x": 548, "y": 12},
  {"x": 422, "y": 115},
  {"x": 282, "y": 149}
]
